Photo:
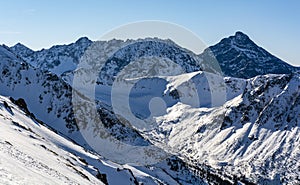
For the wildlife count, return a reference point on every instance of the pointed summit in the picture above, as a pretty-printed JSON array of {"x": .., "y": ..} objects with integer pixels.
[
  {"x": 240, "y": 57},
  {"x": 241, "y": 39},
  {"x": 20, "y": 49},
  {"x": 20, "y": 46}
]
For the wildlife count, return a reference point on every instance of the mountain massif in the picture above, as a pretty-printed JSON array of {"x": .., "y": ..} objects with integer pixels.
[{"x": 237, "y": 122}]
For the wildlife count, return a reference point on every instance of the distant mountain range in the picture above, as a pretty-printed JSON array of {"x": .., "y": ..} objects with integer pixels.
[
  {"x": 238, "y": 56},
  {"x": 252, "y": 137}
]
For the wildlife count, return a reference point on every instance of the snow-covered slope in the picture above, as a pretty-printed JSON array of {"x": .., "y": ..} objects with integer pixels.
[
  {"x": 45, "y": 96},
  {"x": 50, "y": 99},
  {"x": 31, "y": 153},
  {"x": 254, "y": 136}
]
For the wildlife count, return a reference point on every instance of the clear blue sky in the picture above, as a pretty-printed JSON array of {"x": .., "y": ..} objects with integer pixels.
[{"x": 274, "y": 25}]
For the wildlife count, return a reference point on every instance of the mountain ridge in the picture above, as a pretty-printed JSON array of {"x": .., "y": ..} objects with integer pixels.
[{"x": 237, "y": 55}]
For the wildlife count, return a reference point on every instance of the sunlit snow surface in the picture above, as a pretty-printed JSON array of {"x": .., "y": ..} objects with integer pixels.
[{"x": 30, "y": 153}]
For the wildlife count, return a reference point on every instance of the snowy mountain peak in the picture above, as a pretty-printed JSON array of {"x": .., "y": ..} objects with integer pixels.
[
  {"x": 238, "y": 41},
  {"x": 20, "y": 46},
  {"x": 21, "y": 50},
  {"x": 239, "y": 56},
  {"x": 58, "y": 59}
]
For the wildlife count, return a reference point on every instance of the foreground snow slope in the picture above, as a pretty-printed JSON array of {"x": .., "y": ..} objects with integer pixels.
[{"x": 31, "y": 153}]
